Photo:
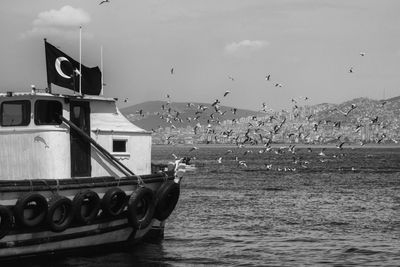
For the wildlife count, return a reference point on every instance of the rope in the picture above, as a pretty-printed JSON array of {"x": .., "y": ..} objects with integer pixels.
[
  {"x": 44, "y": 181},
  {"x": 31, "y": 184},
  {"x": 140, "y": 181},
  {"x": 57, "y": 185}
]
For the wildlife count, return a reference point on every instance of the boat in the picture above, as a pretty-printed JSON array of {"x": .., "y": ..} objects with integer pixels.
[{"x": 75, "y": 174}]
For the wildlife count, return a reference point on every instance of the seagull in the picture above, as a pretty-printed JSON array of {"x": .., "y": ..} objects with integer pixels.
[
  {"x": 193, "y": 148},
  {"x": 215, "y": 102},
  {"x": 278, "y": 85},
  {"x": 231, "y": 78},
  {"x": 362, "y": 54},
  {"x": 172, "y": 70},
  {"x": 226, "y": 93},
  {"x": 268, "y": 77},
  {"x": 375, "y": 120},
  {"x": 219, "y": 160},
  {"x": 140, "y": 112},
  {"x": 228, "y": 151},
  {"x": 104, "y": 1},
  {"x": 242, "y": 163},
  {"x": 351, "y": 70},
  {"x": 126, "y": 100},
  {"x": 340, "y": 146}
]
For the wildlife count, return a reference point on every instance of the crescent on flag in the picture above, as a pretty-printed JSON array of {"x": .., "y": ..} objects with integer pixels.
[{"x": 58, "y": 67}]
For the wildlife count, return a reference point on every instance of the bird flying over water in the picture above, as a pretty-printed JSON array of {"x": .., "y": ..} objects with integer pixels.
[
  {"x": 104, "y": 1},
  {"x": 215, "y": 102},
  {"x": 226, "y": 93},
  {"x": 242, "y": 163},
  {"x": 193, "y": 148},
  {"x": 340, "y": 146}
]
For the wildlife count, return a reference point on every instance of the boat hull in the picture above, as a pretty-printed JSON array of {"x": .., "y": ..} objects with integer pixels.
[
  {"x": 21, "y": 241},
  {"x": 76, "y": 238}
]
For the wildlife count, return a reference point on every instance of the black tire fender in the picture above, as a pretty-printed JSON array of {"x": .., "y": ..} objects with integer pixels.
[
  {"x": 86, "y": 206},
  {"x": 30, "y": 209},
  {"x": 113, "y": 201},
  {"x": 6, "y": 221},
  {"x": 60, "y": 213},
  {"x": 166, "y": 199},
  {"x": 141, "y": 206}
]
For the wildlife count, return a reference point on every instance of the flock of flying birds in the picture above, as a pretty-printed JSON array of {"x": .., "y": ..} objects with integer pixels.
[
  {"x": 255, "y": 133},
  {"x": 261, "y": 131}
]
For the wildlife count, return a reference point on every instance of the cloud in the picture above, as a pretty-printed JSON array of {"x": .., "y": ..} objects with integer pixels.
[
  {"x": 67, "y": 16},
  {"x": 245, "y": 45},
  {"x": 64, "y": 21}
]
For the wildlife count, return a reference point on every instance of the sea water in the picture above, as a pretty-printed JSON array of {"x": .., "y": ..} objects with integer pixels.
[{"x": 279, "y": 208}]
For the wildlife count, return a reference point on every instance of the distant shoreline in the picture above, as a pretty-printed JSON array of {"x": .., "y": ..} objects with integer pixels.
[{"x": 345, "y": 146}]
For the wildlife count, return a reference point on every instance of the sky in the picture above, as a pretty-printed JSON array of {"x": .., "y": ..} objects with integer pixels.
[{"x": 307, "y": 46}]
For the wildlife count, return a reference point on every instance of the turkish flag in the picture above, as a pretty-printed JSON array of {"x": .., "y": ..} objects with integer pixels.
[{"x": 62, "y": 70}]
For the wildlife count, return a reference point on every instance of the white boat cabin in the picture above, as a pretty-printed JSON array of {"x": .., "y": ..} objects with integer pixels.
[{"x": 36, "y": 144}]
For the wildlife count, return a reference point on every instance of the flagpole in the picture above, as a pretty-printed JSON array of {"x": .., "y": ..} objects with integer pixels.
[
  {"x": 47, "y": 67},
  {"x": 101, "y": 67},
  {"x": 80, "y": 60}
]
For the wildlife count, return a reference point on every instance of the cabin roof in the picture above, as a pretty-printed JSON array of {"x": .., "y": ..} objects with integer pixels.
[
  {"x": 88, "y": 97},
  {"x": 103, "y": 120},
  {"x": 114, "y": 122}
]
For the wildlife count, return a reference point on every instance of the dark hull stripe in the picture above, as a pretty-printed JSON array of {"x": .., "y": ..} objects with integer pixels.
[
  {"x": 78, "y": 183},
  {"x": 29, "y": 258},
  {"x": 42, "y": 240},
  {"x": 42, "y": 228}
]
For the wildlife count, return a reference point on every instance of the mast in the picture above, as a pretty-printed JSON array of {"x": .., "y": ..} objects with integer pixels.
[
  {"x": 101, "y": 68},
  {"x": 47, "y": 67},
  {"x": 80, "y": 60}
]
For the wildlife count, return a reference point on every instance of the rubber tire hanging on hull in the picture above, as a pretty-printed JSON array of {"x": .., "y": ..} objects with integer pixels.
[
  {"x": 6, "y": 221},
  {"x": 141, "y": 208},
  {"x": 34, "y": 202},
  {"x": 166, "y": 198},
  {"x": 60, "y": 214},
  {"x": 113, "y": 202},
  {"x": 86, "y": 205}
]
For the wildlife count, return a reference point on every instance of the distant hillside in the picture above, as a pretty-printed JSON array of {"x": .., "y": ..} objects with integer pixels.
[
  {"x": 365, "y": 108},
  {"x": 154, "y": 114}
]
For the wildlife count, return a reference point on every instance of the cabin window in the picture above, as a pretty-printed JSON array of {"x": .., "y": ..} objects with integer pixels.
[
  {"x": 47, "y": 112},
  {"x": 15, "y": 113},
  {"x": 119, "y": 145}
]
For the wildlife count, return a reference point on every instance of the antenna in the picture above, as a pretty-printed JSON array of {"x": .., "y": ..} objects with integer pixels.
[
  {"x": 101, "y": 68},
  {"x": 80, "y": 60}
]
